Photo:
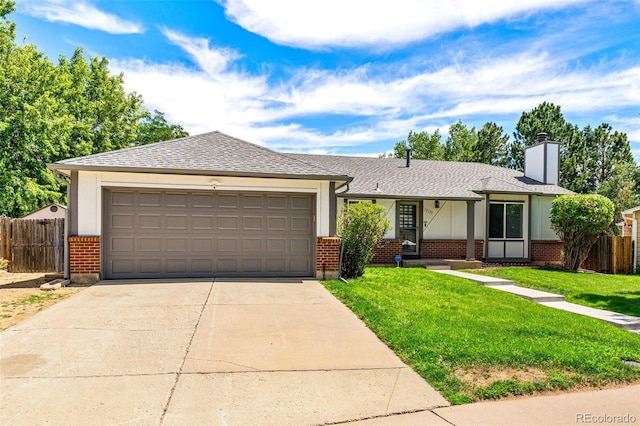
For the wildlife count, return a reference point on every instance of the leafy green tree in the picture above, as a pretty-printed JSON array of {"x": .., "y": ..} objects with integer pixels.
[
  {"x": 492, "y": 146},
  {"x": 545, "y": 118},
  {"x": 154, "y": 128},
  {"x": 576, "y": 163},
  {"x": 578, "y": 220},
  {"x": 424, "y": 146},
  {"x": 623, "y": 188},
  {"x": 361, "y": 226},
  {"x": 106, "y": 117},
  {"x": 50, "y": 112},
  {"x": 7, "y": 28},
  {"x": 609, "y": 151},
  {"x": 31, "y": 123},
  {"x": 461, "y": 143}
]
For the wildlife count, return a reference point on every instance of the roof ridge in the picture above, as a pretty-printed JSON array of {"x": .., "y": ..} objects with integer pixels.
[{"x": 284, "y": 154}]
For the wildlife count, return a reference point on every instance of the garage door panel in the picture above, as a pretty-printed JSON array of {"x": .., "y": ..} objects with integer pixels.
[
  {"x": 252, "y": 201},
  {"x": 176, "y": 200},
  {"x": 299, "y": 223},
  {"x": 150, "y": 221},
  {"x": 150, "y": 244},
  {"x": 155, "y": 233},
  {"x": 200, "y": 266},
  {"x": 150, "y": 266},
  {"x": 276, "y": 202},
  {"x": 122, "y": 199},
  {"x": 176, "y": 266},
  {"x": 226, "y": 223},
  {"x": 300, "y": 245},
  {"x": 227, "y": 265},
  {"x": 122, "y": 266},
  {"x": 276, "y": 245},
  {"x": 227, "y": 201},
  {"x": 149, "y": 199},
  {"x": 252, "y": 245},
  {"x": 252, "y": 223},
  {"x": 299, "y": 265},
  {"x": 176, "y": 222},
  {"x": 202, "y": 222},
  {"x": 228, "y": 244},
  {"x": 251, "y": 265},
  {"x": 202, "y": 201},
  {"x": 300, "y": 203},
  {"x": 277, "y": 265},
  {"x": 176, "y": 244},
  {"x": 202, "y": 244},
  {"x": 123, "y": 221}
]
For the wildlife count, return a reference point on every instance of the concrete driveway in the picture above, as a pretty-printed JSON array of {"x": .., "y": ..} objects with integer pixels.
[{"x": 202, "y": 352}]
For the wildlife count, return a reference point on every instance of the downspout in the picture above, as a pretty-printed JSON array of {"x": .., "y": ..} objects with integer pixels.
[
  {"x": 634, "y": 238},
  {"x": 340, "y": 277},
  {"x": 342, "y": 186},
  {"x": 64, "y": 179}
]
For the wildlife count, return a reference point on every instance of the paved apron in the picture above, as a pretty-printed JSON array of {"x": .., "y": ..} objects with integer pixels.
[{"x": 202, "y": 352}]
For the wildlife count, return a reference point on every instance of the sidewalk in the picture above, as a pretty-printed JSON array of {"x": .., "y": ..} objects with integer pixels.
[
  {"x": 551, "y": 300},
  {"x": 612, "y": 406}
]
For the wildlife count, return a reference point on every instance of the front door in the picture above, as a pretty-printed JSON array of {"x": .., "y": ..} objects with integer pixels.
[{"x": 408, "y": 228}]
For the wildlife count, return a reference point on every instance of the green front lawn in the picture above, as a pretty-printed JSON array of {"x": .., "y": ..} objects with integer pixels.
[
  {"x": 471, "y": 342},
  {"x": 617, "y": 293}
]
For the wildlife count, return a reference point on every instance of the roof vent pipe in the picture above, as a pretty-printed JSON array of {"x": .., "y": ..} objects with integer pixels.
[
  {"x": 543, "y": 137},
  {"x": 408, "y": 157}
]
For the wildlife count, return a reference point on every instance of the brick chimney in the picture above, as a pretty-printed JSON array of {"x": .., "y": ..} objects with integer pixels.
[{"x": 542, "y": 160}]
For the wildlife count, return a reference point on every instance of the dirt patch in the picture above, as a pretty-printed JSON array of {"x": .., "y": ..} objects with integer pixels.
[
  {"x": 21, "y": 297},
  {"x": 478, "y": 378},
  {"x": 481, "y": 378}
]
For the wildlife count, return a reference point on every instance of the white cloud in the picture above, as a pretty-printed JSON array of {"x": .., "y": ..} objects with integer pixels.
[
  {"x": 371, "y": 23},
  {"x": 218, "y": 95},
  {"x": 79, "y": 13},
  {"x": 212, "y": 60}
]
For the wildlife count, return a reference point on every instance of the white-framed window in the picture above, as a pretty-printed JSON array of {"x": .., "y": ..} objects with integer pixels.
[{"x": 506, "y": 220}]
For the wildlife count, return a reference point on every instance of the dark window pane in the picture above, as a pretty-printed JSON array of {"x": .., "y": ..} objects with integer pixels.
[
  {"x": 407, "y": 216},
  {"x": 496, "y": 220},
  {"x": 514, "y": 220}
]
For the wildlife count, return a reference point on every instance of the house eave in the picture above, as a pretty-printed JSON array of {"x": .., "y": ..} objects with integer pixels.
[
  {"x": 514, "y": 192},
  {"x": 67, "y": 168},
  {"x": 406, "y": 197}
]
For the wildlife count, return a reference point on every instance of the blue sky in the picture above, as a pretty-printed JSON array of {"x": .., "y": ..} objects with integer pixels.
[{"x": 354, "y": 76}]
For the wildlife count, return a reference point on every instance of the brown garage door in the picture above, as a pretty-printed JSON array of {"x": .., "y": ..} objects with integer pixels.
[{"x": 149, "y": 234}]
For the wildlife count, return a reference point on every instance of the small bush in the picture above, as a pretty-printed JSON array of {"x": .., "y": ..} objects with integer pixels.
[
  {"x": 578, "y": 220},
  {"x": 361, "y": 227},
  {"x": 4, "y": 263}
]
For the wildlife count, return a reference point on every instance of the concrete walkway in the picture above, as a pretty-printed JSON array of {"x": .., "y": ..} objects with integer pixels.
[
  {"x": 201, "y": 352},
  {"x": 551, "y": 300},
  {"x": 612, "y": 406}
]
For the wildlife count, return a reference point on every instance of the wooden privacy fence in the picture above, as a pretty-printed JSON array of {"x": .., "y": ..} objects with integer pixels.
[
  {"x": 32, "y": 245},
  {"x": 611, "y": 254}
]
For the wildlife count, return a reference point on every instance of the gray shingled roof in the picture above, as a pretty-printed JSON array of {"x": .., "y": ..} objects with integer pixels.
[
  {"x": 212, "y": 153},
  {"x": 216, "y": 153},
  {"x": 426, "y": 178}
]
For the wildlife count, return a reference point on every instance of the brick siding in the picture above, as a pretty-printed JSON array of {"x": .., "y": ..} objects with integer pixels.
[
  {"x": 327, "y": 257},
  {"x": 546, "y": 251},
  {"x": 84, "y": 255},
  {"x": 448, "y": 249},
  {"x": 387, "y": 251}
]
